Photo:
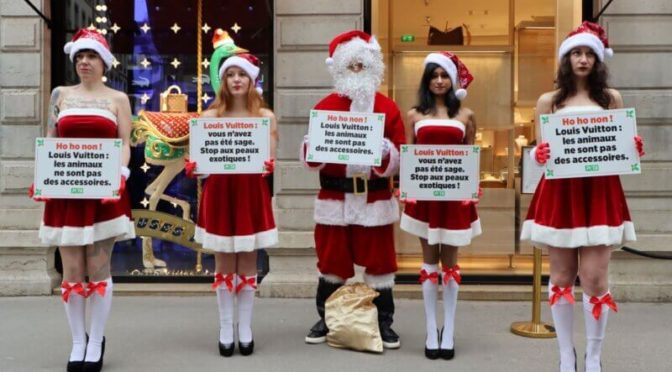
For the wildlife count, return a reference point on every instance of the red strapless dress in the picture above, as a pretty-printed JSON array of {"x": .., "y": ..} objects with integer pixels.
[
  {"x": 578, "y": 212},
  {"x": 441, "y": 222},
  {"x": 235, "y": 214},
  {"x": 77, "y": 222}
]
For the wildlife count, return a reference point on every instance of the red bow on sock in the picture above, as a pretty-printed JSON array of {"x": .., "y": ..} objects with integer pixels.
[
  {"x": 558, "y": 293},
  {"x": 228, "y": 280},
  {"x": 99, "y": 287},
  {"x": 452, "y": 273},
  {"x": 598, "y": 302},
  {"x": 433, "y": 277},
  {"x": 252, "y": 282},
  {"x": 78, "y": 288}
]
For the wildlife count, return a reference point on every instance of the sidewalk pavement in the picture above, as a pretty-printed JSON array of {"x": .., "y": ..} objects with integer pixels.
[{"x": 156, "y": 333}]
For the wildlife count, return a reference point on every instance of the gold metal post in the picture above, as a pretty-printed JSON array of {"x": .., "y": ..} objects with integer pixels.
[{"x": 536, "y": 328}]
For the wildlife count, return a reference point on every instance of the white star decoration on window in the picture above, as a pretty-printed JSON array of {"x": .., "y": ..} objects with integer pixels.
[
  {"x": 145, "y": 63},
  {"x": 115, "y": 28},
  {"x": 145, "y": 28},
  {"x": 144, "y": 202},
  {"x": 205, "y": 63},
  {"x": 176, "y": 28},
  {"x": 175, "y": 62},
  {"x": 144, "y": 98},
  {"x": 206, "y": 98},
  {"x": 145, "y": 167},
  {"x": 115, "y": 63},
  {"x": 235, "y": 27},
  {"x": 206, "y": 28}
]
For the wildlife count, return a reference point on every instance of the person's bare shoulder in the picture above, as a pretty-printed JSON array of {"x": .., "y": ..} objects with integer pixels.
[
  {"x": 617, "y": 99},
  {"x": 413, "y": 115},
  {"x": 266, "y": 113},
  {"x": 545, "y": 103},
  {"x": 211, "y": 113}
]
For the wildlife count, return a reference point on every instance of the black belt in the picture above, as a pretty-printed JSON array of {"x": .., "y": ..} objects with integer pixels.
[{"x": 357, "y": 185}]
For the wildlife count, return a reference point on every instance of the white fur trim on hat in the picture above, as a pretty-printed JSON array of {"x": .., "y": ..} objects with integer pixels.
[
  {"x": 448, "y": 65},
  {"x": 71, "y": 48},
  {"x": 247, "y": 66},
  {"x": 588, "y": 40}
]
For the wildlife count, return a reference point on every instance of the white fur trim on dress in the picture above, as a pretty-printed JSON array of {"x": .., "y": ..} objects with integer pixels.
[
  {"x": 356, "y": 211},
  {"x": 235, "y": 244},
  {"x": 331, "y": 278},
  {"x": 393, "y": 165},
  {"x": 88, "y": 112},
  {"x": 379, "y": 281},
  {"x": 446, "y": 123},
  {"x": 579, "y": 236},
  {"x": 120, "y": 227},
  {"x": 457, "y": 238}
]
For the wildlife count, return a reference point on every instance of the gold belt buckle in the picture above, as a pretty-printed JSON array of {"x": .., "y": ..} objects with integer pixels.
[{"x": 364, "y": 178}]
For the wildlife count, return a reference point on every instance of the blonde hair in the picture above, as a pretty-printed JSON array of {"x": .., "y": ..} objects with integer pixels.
[{"x": 255, "y": 102}]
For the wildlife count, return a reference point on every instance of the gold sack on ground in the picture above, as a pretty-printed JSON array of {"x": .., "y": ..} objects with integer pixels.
[{"x": 352, "y": 319}]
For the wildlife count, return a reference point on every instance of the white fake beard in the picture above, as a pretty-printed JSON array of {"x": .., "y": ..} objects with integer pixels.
[{"x": 360, "y": 87}]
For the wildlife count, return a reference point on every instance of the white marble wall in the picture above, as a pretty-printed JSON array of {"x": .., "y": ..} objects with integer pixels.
[{"x": 26, "y": 268}]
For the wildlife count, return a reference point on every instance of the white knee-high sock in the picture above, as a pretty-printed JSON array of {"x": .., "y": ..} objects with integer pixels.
[
  {"x": 226, "y": 296},
  {"x": 429, "y": 277},
  {"x": 451, "y": 285},
  {"x": 596, "y": 313},
  {"x": 100, "y": 302},
  {"x": 562, "y": 309},
  {"x": 74, "y": 300},
  {"x": 246, "y": 287}
]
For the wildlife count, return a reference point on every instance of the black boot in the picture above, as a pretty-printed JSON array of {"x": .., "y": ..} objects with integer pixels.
[
  {"x": 318, "y": 333},
  {"x": 385, "y": 304}
]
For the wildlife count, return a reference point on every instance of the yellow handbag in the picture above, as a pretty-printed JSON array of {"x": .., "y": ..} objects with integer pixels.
[
  {"x": 352, "y": 319},
  {"x": 173, "y": 102}
]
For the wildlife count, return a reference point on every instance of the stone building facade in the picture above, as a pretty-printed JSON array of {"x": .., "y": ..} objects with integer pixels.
[{"x": 638, "y": 32}]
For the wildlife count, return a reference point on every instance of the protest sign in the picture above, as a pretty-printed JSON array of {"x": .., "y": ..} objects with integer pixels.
[
  {"x": 77, "y": 168},
  {"x": 439, "y": 172},
  {"x": 596, "y": 143},
  {"x": 229, "y": 145},
  {"x": 345, "y": 137},
  {"x": 531, "y": 171}
]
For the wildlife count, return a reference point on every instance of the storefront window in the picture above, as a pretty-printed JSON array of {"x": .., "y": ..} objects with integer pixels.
[
  {"x": 155, "y": 46},
  {"x": 509, "y": 47}
]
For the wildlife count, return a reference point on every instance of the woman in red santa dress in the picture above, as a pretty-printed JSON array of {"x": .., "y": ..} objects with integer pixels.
[
  {"x": 85, "y": 230},
  {"x": 579, "y": 220},
  {"x": 442, "y": 226},
  {"x": 235, "y": 216}
]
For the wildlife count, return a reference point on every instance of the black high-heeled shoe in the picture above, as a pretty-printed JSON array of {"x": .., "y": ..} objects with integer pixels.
[
  {"x": 96, "y": 366},
  {"x": 446, "y": 354},
  {"x": 226, "y": 350},
  {"x": 433, "y": 353},
  {"x": 246, "y": 348},
  {"x": 78, "y": 365}
]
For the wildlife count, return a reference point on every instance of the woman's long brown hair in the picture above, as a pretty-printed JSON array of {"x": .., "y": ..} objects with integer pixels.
[
  {"x": 597, "y": 83},
  {"x": 255, "y": 102}
]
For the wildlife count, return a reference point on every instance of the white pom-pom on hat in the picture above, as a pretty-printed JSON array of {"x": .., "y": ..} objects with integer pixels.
[{"x": 461, "y": 94}]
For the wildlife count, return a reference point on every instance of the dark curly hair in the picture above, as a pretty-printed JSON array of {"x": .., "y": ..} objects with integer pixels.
[
  {"x": 427, "y": 99},
  {"x": 597, "y": 83}
]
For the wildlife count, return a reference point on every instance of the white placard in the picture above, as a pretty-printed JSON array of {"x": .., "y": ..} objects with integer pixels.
[
  {"x": 439, "y": 172},
  {"x": 531, "y": 172},
  {"x": 77, "y": 168},
  {"x": 596, "y": 143},
  {"x": 229, "y": 145},
  {"x": 345, "y": 137}
]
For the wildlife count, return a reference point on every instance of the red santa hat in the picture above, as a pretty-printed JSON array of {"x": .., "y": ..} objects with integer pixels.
[
  {"x": 458, "y": 72},
  {"x": 89, "y": 39},
  {"x": 590, "y": 35},
  {"x": 348, "y": 38},
  {"x": 245, "y": 61}
]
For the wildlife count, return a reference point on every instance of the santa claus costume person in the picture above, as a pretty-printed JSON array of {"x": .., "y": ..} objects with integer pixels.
[
  {"x": 355, "y": 209},
  {"x": 85, "y": 229},
  {"x": 235, "y": 216},
  {"x": 439, "y": 119},
  {"x": 580, "y": 220}
]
